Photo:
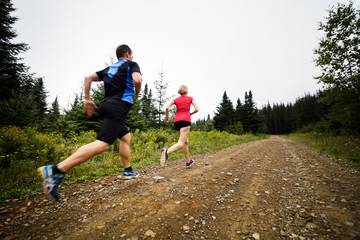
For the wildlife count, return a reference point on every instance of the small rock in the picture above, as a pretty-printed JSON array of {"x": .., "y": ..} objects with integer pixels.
[
  {"x": 23, "y": 210},
  {"x": 150, "y": 233},
  {"x": 256, "y": 236},
  {"x": 311, "y": 225},
  {"x": 349, "y": 224},
  {"x": 158, "y": 177},
  {"x": 186, "y": 228},
  {"x": 5, "y": 211},
  {"x": 304, "y": 214}
]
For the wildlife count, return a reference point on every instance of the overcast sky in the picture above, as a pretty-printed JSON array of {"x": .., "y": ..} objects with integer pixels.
[{"x": 210, "y": 46}]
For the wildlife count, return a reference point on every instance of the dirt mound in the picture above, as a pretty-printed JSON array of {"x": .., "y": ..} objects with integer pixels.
[{"x": 268, "y": 189}]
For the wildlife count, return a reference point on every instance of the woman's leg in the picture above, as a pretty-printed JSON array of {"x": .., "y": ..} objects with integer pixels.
[
  {"x": 182, "y": 143},
  {"x": 186, "y": 150}
]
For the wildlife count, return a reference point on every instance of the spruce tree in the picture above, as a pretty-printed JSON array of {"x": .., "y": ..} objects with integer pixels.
[
  {"x": 148, "y": 110},
  {"x": 251, "y": 120},
  {"x": 39, "y": 100},
  {"x": 11, "y": 70},
  {"x": 224, "y": 116}
]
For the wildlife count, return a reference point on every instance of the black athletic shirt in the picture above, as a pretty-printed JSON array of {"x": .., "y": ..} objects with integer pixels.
[{"x": 118, "y": 82}]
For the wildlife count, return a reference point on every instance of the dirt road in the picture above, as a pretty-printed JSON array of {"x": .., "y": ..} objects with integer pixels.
[{"x": 268, "y": 189}]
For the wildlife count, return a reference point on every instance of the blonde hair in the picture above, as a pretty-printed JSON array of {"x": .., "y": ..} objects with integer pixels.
[{"x": 182, "y": 89}]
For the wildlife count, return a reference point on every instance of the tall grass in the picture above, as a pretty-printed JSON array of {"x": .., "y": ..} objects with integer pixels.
[
  {"x": 23, "y": 150},
  {"x": 341, "y": 148}
]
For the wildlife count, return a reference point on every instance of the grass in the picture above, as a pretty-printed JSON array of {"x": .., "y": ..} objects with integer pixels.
[
  {"x": 23, "y": 150},
  {"x": 342, "y": 148}
]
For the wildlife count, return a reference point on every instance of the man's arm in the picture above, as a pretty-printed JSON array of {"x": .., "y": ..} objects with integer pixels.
[
  {"x": 89, "y": 105},
  {"x": 136, "y": 76}
]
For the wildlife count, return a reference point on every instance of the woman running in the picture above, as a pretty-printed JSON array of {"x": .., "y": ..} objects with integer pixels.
[{"x": 182, "y": 125}]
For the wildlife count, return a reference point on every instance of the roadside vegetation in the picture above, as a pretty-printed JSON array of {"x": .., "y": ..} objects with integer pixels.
[
  {"x": 341, "y": 148},
  {"x": 22, "y": 150}
]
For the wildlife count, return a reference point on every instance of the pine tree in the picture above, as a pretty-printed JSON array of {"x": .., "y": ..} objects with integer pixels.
[
  {"x": 251, "y": 119},
  {"x": 39, "y": 99},
  {"x": 161, "y": 87},
  {"x": 148, "y": 110},
  {"x": 11, "y": 70},
  {"x": 224, "y": 116},
  {"x": 238, "y": 111},
  {"x": 134, "y": 120}
]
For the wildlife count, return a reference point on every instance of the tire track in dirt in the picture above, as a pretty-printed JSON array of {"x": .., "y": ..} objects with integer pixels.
[{"x": 268, "y": 189}]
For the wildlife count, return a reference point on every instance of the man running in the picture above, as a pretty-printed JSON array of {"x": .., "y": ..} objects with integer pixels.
[{"x": 119, "y": 79}]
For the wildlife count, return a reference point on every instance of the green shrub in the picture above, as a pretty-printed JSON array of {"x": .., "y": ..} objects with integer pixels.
[
  {"x": 23, "y": 150},
  {"x": 342, "y": 148}
]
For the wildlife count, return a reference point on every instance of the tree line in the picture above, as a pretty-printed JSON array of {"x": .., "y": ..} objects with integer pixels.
[{"x": 335, "y": 108}]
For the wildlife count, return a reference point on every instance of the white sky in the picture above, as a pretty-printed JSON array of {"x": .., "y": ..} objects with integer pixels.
[{"x": 210, "y": 46}]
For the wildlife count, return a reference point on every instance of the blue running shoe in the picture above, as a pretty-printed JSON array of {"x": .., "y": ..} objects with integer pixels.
[
  {"x": 130, "y": 175},
  {"x": 190, "y": 163},
  {"x": 164, "y": 156},
  {"x": 50, "y": 181}
]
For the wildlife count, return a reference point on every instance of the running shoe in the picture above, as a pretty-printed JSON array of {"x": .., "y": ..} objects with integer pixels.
[
  {"x": 129, "y": 175},
  {"x": 50, "y": 181},
  {"x": 164, "y": 156},
  {"x": 190, "y": 163}
]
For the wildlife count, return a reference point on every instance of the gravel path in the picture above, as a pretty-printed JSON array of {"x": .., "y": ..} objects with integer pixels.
[{"x": 268, "y": 189}]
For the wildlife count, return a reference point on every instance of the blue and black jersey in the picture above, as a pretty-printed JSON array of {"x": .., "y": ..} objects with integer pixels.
[{"x": 118, "y": 82}]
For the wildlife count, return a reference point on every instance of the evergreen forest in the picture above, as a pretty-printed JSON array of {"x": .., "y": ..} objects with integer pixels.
[
  {"x": 34, "y": 132},
  {"x": 334, "y": 109}
]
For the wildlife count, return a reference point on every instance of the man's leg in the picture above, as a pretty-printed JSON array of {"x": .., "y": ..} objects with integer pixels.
[
  {"x": 124, "y": 150},
  {"x": 83, "y": 154},
  {"x": 52, "y": 175}
]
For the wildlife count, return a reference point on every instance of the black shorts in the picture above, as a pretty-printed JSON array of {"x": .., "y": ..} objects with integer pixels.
[
  {"x": 113, "y": 114},
  {"x": 180, "y": 124}
]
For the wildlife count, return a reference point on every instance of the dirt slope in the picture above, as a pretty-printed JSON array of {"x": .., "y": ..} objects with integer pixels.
[{"x": 269, "y": 189}]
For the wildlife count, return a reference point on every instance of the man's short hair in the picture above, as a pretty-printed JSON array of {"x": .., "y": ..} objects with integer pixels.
[{"x": 121, "y": 50}]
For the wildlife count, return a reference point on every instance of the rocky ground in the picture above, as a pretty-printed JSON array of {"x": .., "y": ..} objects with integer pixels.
[{"x": 268, "y": 189}]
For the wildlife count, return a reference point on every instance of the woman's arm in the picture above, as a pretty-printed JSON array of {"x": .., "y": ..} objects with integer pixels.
[
  {"x": 167, "y": 111},
  {"x": 195, "y": 106}
]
